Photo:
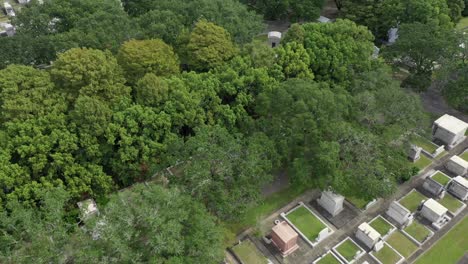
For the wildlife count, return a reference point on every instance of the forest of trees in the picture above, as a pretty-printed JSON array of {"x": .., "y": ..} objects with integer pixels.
[{"x": 98, "y": 96}]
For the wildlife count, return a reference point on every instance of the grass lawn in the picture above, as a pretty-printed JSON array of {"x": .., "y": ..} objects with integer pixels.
[
  {"x": 463, "y": 23},
  {"x": 451, "y": 203},
  {"x": 424, "y": 143},
  {"x": 450, "y": 248},
  {"x": 422, "y": 162},
  {"x": 247, "y": 252},
  {"x": 418, "y": 231},
  {"x": 306, "y": 222},
  {"x": 265, "y": 208},
  {"x": 412, "y": 200},
  {"x": 380, "y": 225},
  {"x": 443, "y": 153},
  {"x": 329, "y": 259},
  {"x": 387, "y": 255},
  {"x": 348, "y": 250},
  {"x": 464, "y": 155},
  {"x": 359, "y": 203},
  {"x": 441, "y": 178},
  {"x": 402, "y": 244}
]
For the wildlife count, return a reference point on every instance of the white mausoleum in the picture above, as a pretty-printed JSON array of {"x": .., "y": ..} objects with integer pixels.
[
  {"x": 367, "y": 235},
  {"x": 274, "y": 38},
  {"x": 457, "y": 165},
  {"x": 459, "y": 188},
  {"x": 331, "y": 202},
  {"x": 450, "y": 130},
  {"x": 433, "y": 211},
  {"x": 399, "y": 213}
]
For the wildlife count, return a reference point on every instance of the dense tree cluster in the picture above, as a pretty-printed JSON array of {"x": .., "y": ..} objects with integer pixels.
[{"x": 185, "y": 86}]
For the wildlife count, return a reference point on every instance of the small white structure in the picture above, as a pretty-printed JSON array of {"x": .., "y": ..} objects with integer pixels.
[
  {"x": 367, "y": 235},
  {"x": 435, "y": 213},
  {"x": 23, "y": 2},
  {"x": 457, "y": 165},
  {"x": 376, "y": 52},
  {"x": 459, "y": 188},
  {"x": 414, "y": 153},
  {"x": 399, "y": 214},
  {"x": 7, "y": 29},
  {"x": 331, "y": 202},
  {"x": 274, "y": 38},
  {"x": 9, "y": 9},
  {"x": 323, "y": 19},
  {"x": 392, "y": 35},
  {"x": 88, "y": 208},
  {"x": 450, "y": 130}
]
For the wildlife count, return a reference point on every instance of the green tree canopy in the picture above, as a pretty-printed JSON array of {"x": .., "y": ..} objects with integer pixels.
[{"x": 139, "y": 57}]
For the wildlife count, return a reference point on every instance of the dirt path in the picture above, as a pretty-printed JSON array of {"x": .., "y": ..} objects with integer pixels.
[{"x": 434, "y": 103}]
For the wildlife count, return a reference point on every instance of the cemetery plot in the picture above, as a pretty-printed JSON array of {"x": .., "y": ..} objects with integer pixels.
[
  {"x": 402, "y": 244},
  {"x": 306, "y": 222},
  {"x": 419, "y": 232},
  {"x": 387, "y": 255},
  {"x": 450, "y": 248},
  {"x": 328, "y": 258},
  {"x": 412, "y": 200},
  {"x": 247, "y": 252},
  {"x": 349, "y": 250},
  {"x": 424, "y": 143},
  {"x": 381, "y": 225},
  {"x": 422, "y": 162},
  {"x": 359, "y": 203},
  {"x": 464, "y": 155},
  {"x": 451, "y": 203},
  {"x": 441, "y": 178}
]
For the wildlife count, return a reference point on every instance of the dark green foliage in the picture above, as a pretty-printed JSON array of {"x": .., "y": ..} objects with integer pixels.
[{"x": 292, "y": 9}]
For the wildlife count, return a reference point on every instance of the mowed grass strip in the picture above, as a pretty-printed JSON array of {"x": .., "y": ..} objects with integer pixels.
[
  {"x": 380, "y": 225},
  {"x": 451, "y": 203},
  {"x": 422, "y": 162},
  {"x": 329, "y": 259},
  {"x": 450, "y": 248},
  {"x": 441, "y": 178},
  {"x": 412, "y": 200},
  {"x": 387, "y": 255},
  {"x": 348, "y": 250},
  {"x": 306, "y": 222},
  {"x": 247, "y": 252},
  {"x": 464, "y": 155},
  {"x": 418, "y": 231},
  {"x": 402, "y": 244},
  {"x": 359, "y": 203},
  {"x": 424, "y": 143}
]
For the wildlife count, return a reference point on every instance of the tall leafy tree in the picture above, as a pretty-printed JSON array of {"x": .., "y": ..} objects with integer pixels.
[{"x": 292, "y": 9}]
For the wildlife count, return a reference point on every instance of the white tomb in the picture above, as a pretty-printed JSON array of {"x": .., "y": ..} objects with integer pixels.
[
  {"x": 274, "y": 38},
  {"x": 399, "y": 213},
  {"x": 392, "y": 35},
  {"x": 367, "y": 235},
  {"x": 323, "y": 19},
  {"x": 433, "y": 211},
  {"x": 88, "y": 208},
  {"x": 9, "y": 9},
  {"x": 459, "y": 188},
  {"x": 432, "y": 186},
  {"x": 450, "y": 130},
  {"x": 331, "y": 202},
  {"x": 457, "y": 165},
  {"x": 414, "y": 153}
]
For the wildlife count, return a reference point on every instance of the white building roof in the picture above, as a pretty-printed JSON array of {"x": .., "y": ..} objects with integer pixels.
[
  {"x": 435, "y": 207},
  {"x": 369, "y": 231},
  {"x": 274, "y": 34},
  {"x": 452, "y": 124},
  {"x": 459, "y": 161},
  {"x": 462, "y": 181},
  {"x": 323, "y": 19}
]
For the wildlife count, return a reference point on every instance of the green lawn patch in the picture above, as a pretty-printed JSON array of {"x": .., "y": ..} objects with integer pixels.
[
  {"x": 441, "y": 178},
  {"x": 387, "y": 255},
  {"x": 348, "y": 250},
  {"x": 463, "y": 23},
  {"x": 417, "y": 231},
  {"x": 422, "y": 162},
  {"x": 328, "y": 259},
  {"x": 265, "y": 208},
  {"x": 451, "y": 203},
  {"x": 450, "y": 248},
  {"x": 424, "y": 143},
  {"x": 464, "y": 155},
  {"x": 306, "y": 222},
  {"x": 443, "y": 153},
  {"x": 247, "y": 252},
  {"x": 402, "y": 244},
  {"x": 380, "y": 225},
  {"x": 412, "y": 200},
  {"x": 358, "y": 202}
]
